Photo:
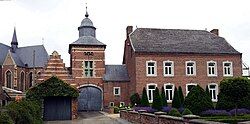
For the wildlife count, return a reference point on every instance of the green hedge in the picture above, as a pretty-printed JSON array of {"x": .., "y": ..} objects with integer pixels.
[
  {"x": 24, "y": 112},
  {"x": 5, "y": 118}
]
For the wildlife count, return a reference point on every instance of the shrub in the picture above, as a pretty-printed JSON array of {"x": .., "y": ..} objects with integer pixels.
[
  {"x": 174, "y": 112},
  {"x": 181, "y": 109},
  {"x": 234, "y": 91},
  {"x": 187, "y": 112},
  {"x": 166, "y": 109},
  {"x": 176, "y": 100},
  {"x": 163, "y": 96},
  {"x": 135, "y": 99},
  {"x": 116, "y": 109},
  {"x": 5, "y": 118},
  {"x": 241, "y": 111},
  {"x": 197, "y": 100},
  {"x": 224, "y": 102},
  {"x": 144, "y": 98},
  {"x": 207, "y": 91},
  {"x": 157, "y": 100},
  {"x": 213, "y": 112},
  {"x": 181, "y": 96}
]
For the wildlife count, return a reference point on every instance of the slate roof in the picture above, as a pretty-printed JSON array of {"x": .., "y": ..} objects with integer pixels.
[
  {"x": 24, "y": 55},
  {"x": 117, "y": 73},
  {"x": 179, "y": 41},
  {"x": 88, "y": 40}
]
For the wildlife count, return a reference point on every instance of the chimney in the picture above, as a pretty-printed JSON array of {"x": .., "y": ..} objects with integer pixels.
[
  {"x": 129, "y": 29},
  {"x": 215, "y": 31}
]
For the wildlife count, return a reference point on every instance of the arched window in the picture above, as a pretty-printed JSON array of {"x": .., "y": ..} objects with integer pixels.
[
  {"x": 22, "y": 81},
  {"x": 30, "y": 79},
  {"x": 8, "y": 79}
]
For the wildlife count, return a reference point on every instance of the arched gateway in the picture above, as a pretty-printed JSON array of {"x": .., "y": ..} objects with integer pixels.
[{"x": 90, "y": 98}]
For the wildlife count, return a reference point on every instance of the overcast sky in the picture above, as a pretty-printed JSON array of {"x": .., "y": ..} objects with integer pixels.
[{"x": 56, "y": 21}]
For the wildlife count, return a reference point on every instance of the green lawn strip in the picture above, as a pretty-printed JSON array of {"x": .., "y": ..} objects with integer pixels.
[{"x": 228, "y": 119}]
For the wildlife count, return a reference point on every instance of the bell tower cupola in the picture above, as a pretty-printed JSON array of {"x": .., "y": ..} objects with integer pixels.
[{"x": 86, "y": 28}]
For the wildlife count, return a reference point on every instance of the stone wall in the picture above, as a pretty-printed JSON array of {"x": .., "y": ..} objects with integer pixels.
[
  {"x": 74, "y": 108},
  {"x": 148, "y": 118}
]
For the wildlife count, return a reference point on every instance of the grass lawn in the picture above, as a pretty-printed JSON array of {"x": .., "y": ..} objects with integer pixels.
[{"x": 228, "y": 119}]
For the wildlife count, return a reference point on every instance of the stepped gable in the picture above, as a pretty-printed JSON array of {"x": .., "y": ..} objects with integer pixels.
[{"x": 55, "y": 67}]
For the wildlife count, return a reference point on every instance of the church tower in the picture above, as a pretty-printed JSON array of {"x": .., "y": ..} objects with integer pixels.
[
  {"x": 87, "y": 56},
  {"x": 14, "y": 43}
]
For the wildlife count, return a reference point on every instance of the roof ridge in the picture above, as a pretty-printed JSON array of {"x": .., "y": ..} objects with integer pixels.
[
  {"x": 172, "y": 29},
  {"x": 4, "y": 44},
  {"x": 31, "y": 46}
]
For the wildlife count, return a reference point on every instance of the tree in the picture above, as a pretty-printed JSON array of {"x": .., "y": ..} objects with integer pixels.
[
  {"x": 135, "y": 99},
  {"x": 207, "y": 91},
  {"x": 235, "y": 91},
  {"x": 181, "y": 96},
  {"x": 144, "y": 98},
  {"x": 163, "y": 96},
  {"x": 176, "y": 100},
  {"x": 157, "y": 100},
  {"x": 197, "y": 100}
]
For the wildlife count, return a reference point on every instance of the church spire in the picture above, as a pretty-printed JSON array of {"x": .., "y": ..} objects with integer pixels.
[{"x": 14, "y": 43}]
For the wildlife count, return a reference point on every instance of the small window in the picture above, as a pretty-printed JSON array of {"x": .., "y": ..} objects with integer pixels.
[
  {"x": 169, "y": 91},
  {"x": 150, "y": 91},
  {"x": 122, "y": 104},
  {"x": 88, "y": 68},
  {"x": 111, "y": 104},
  {"x": 213, "y": 90},
  {"x": 189, "y": 87},
  {"x": 168, "y": 68},
  {"x": 227, "y": 69},
  {"x": 117, "y": 91},
  {"x": 151, "y": 68},
  {"x": 8, "y": 78},
  {"x": 211, "y": 68},
  {"x": 190, "y": 68}
]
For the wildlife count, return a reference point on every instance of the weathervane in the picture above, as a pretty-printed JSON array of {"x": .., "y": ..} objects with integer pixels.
[{"x": 86, "y": 15}]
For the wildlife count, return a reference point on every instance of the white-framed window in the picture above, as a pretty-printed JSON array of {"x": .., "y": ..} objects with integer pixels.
[
  {"x": 88, "y": 68},
  {"x": 117, "y": 91},
  {"x": 213, "y": 90},
  {"x": 211, "y": 68},
  {"x": 169, "y": 91},
  {"x": 227, "y": 68},
  {"x": 111, "y": 104},
  {"x": 122, "y": 104},
  {"x": 150, "y": 91},
  {"x": 190, "y": 68},
  {"x": 151, "y": 68},
  {"x": 168, "y": 68},
  {"x": 189, "y": 87}
]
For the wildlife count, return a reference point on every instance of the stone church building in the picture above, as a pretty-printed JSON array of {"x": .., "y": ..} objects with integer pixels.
[{"x": 152, "y": 58}]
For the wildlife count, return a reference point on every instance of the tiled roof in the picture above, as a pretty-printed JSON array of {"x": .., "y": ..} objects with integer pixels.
[
  {"x": 24, "y": 55},
  {"x": 117, "y": 73},
  {"x": 179, "y": 41},
  {"x": 88, "y": 40}
]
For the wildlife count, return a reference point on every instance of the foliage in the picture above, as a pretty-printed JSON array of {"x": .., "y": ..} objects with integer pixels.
[
  {"x": 116, "y": 109},
  {"x": 163, "y": 96},
  {"x": 157, "y": 100},
  {"x": 207, "y": 92},
  {"x": 176, "y": 100},
  {"x": 234, "y": 93},
  {"x": 181, "y": 96},
  {"x": 135, "y": 99},
  {"x": 187, "y": 112},
  {"x": 25, "y": 112},
  {"x": 166, "y": 109},
  {"x": 51, "y": 87},
  {"x": 197, "y": 100},
  {"x": 174, "y": 112},
  {"x": 147, "y": 109},
  {"x": 181, "y": 109},
  {"x": 213, "y": 112},
  {"x": 228, "y": 119},
  {"x": 241, "y": 111},
  {"x": 144, "y": 99},
  {"x": 5, "y": 118}
]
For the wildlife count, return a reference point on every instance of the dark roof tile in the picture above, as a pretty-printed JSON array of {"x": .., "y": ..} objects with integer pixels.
[{"x": 117, "y": 73}]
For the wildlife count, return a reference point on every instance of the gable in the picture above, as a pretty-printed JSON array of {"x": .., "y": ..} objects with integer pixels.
[{"x": 9, "y": 60}]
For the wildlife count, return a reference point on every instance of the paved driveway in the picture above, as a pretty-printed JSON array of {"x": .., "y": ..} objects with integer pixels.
[{"x": 93, "y": 118}]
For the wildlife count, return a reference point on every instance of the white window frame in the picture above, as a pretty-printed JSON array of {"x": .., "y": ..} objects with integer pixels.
[
  {"x": 155, "y": 68},
  {"x": 152, "y": 96},
  {"x": 231, "y": 69},
  {"x": 216, "y": 91},
  {"x": 165, "y": 90},
  {"x": 194, "y": 68},
  {"x": 110, "y": 104},
  {"x": 121, "y": 104},
  {"x": 187, "y": 87},
  {"x": 215, "y": 69},
  {"x": 172, "y": 68},
  {"x": 119, "y": 91}
]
